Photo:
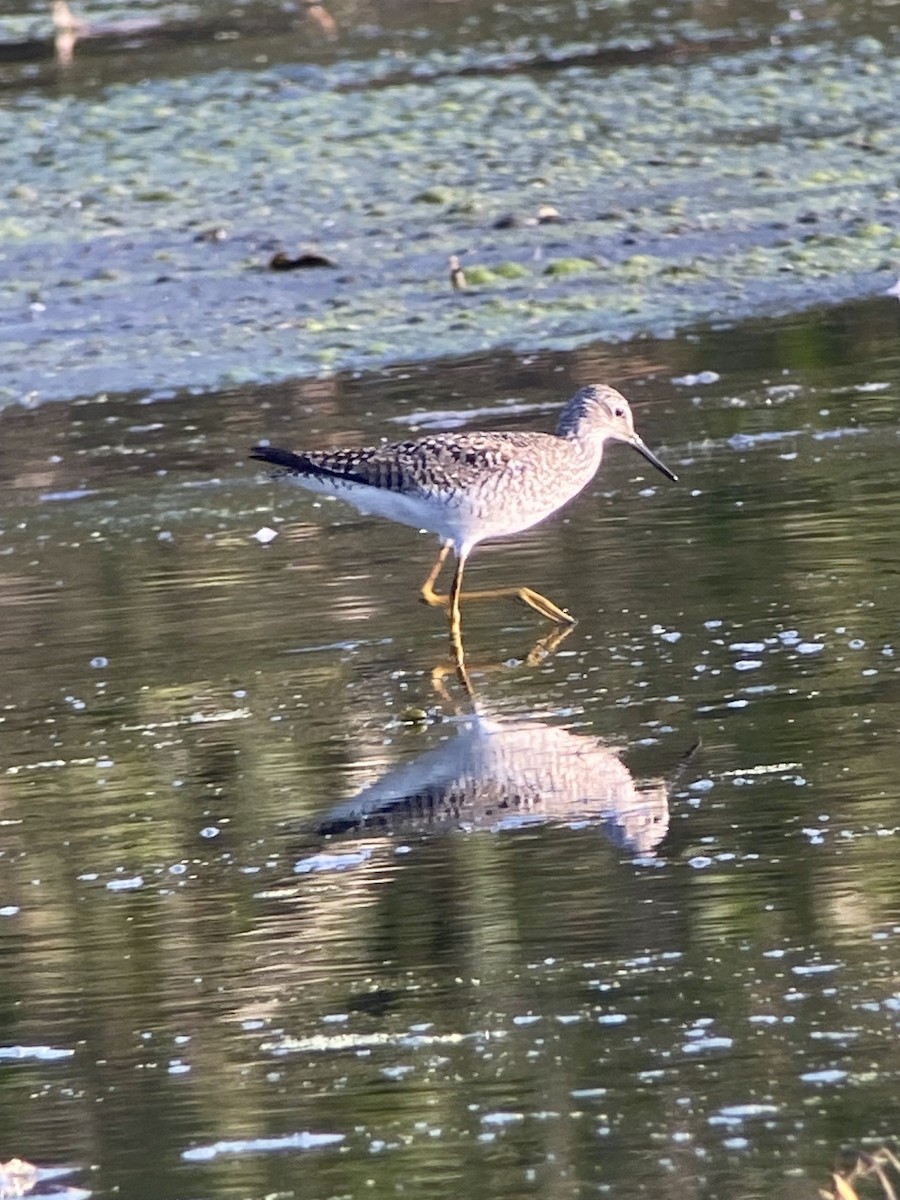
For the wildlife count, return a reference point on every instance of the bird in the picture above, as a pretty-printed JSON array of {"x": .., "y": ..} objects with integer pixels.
[
  {"x": 501, "y": 773},
  {"x": 468, "y": 486},
  {"x": 457, "y": 275}
]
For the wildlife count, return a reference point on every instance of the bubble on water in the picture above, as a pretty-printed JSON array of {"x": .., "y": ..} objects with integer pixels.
[
  {"x": 699, "y": 1044},
  {"x": 261, "y": 1145},
  {"x": 700, "y": 377},
  {"x": 331, "y": 862},
  {"x": 502, "y": 1118},
  {"x": 125, "y": 885},
  {"x": 830, "y": 1075}
]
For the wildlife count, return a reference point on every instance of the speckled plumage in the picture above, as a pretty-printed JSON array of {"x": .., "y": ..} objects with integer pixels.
[{"x": 470, "y": 486}]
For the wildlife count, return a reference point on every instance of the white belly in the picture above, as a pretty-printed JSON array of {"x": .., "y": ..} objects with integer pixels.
[{"x": 420, "y": 512}]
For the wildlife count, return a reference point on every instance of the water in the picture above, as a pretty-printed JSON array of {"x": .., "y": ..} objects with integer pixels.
[
  {"x": 563, "y": 944},
  {"x": 283, "y": 910}
]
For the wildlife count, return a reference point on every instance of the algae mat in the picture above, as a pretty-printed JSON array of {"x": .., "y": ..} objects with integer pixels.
[{"x": 138, "y": 223}]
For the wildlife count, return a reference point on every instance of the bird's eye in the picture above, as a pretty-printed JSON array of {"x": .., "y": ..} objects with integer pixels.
[{"x": 618, "y": 412}]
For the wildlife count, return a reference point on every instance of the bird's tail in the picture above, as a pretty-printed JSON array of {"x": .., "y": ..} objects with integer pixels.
[
  {"x": 286, "y": 459},
  {"x": 321, "y": 465}
]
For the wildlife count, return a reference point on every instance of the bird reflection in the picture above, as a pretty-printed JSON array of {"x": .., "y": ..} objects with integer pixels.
[
  {"x": 504, "y": 773},
  {"x": 319, "y": 16},
  {"x": 67, "y": 29},
  {"x": 543, "y": 648}
]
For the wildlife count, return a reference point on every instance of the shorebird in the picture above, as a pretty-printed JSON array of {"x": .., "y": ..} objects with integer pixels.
[
  {"x": 498, "y": 773},
  {"x": 468, "y": 487}
]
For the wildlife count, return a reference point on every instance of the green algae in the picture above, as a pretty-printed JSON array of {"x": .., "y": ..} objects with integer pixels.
[
  {"x": 569, "y": 266},
  {"x": 511, "y": 270},
  {"x": 433, "y": 195},
  {"x": 480, "y": 275},
  {"x": 667, "y": 177}
]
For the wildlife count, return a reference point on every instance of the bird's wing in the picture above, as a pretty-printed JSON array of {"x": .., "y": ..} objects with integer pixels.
[{"x": 427, "y": 464}]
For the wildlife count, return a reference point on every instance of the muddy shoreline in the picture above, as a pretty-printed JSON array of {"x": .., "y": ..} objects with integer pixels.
[{"x": 138, "y": 231}]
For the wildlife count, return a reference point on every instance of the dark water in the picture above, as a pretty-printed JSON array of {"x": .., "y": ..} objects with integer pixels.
[{"x": 566, "y": 949}]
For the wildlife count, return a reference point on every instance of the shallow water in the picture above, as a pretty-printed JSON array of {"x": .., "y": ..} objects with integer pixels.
[{"x": 630, "y": 922}]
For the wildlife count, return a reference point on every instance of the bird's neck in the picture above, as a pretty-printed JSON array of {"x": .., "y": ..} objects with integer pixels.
[
  {"x": 572, "y": 423},
  {"x": 585, "y": 450}
]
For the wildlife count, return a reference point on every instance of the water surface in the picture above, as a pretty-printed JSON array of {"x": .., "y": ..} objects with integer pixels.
[{"x": 283, "y": 910}]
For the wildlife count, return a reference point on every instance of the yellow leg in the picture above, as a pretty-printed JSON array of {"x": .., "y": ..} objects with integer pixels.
[
  {"x": 525, "y": 595},
  {"x": 535, "y": 600},
  {"x": 459, "y": 658},
  {"x": 428, "y": 594},
  {"x": 455, "y": 597}
]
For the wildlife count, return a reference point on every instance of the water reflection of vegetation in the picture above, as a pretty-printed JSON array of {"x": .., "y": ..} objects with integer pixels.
[{"x": 171, "y": 701}]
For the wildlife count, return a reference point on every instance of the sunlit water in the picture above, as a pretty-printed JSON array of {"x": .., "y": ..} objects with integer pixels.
[{"x": 283, "y": 910}]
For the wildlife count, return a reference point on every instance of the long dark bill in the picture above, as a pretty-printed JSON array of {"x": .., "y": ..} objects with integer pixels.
[{"x": 645, "y": 450}]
